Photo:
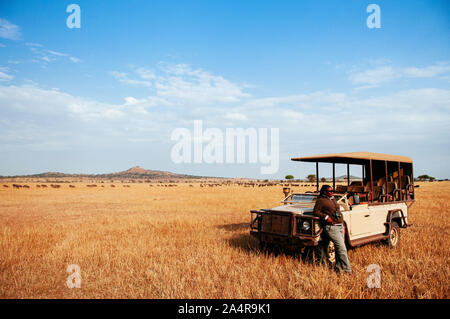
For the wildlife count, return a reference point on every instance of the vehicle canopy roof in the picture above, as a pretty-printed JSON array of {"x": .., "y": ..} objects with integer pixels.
[{"x": 353, "y": 158}]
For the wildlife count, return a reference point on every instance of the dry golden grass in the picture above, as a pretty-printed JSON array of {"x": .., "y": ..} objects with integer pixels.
[{"x": 192, "y": 242}]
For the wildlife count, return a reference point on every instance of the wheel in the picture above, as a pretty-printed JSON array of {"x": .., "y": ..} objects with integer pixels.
[
  {"x": 326, "y": 252},
  {"x": 262, "y": 246},
  {"x": 393, "y": 239}
]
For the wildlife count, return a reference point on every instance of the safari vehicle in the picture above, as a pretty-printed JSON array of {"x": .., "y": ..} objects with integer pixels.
[{"x": 374, "y": 207}]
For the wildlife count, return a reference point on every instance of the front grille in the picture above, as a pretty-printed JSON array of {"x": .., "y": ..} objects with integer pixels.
[{"x": 276, "y": 223}]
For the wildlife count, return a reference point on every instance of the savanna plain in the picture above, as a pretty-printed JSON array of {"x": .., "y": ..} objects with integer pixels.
[{"x": 189, "y": 241}]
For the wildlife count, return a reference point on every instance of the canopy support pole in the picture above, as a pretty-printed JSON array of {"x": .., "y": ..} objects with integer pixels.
[
  {"x": 371, "y": 181},
  {"x": 334, "y": 177},
  {"x": 348, "y": 174},
  {"x": 317, "y": 176},
  {"x": 386, "y": 181}
]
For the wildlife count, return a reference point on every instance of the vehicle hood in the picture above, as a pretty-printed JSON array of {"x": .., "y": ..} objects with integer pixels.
[{"x": 297, "y": 208}]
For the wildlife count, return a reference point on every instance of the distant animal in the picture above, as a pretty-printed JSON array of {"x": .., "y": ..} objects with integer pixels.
[{"x": 72, "y": 186}]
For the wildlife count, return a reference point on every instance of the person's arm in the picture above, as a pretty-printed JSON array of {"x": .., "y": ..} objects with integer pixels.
[{"x": 318, "y": 212}]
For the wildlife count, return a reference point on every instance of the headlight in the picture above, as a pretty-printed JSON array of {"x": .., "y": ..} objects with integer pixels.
[{"x": 306, "y": 226}]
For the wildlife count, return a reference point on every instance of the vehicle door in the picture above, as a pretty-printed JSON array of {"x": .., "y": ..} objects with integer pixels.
[
  {"x": 379, "y": 217},
  {"x": 360, "y": 220}
]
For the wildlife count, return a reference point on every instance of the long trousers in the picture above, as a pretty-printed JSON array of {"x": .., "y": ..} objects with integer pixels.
[{"x": 336, "y": 234}]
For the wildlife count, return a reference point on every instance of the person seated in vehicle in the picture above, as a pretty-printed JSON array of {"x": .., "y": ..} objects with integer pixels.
[{"x": 328, "y": 210}]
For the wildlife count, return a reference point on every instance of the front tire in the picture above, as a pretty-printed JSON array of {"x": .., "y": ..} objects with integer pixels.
[{"x": 393, "y": 239}]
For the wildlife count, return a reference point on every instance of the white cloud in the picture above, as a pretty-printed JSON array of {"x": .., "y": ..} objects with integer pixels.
[
  {"x": 4, "y": 76},
  {"x": 402, "y": 122},
  {"x": 292, "y": 115},
  {"x": 180, "y": 84},
  {"x": 47, "y": 59},
  {"x": 427, "y": 72},
  {"x": 145, "y": 103},
  {"x": 56, "y": 53},
  {"x": 48, "y": 55},
  {"x": 31, "y": 44},
  {"x": 407, "y": 118},
  {"x": 145, "y": 73},
  {"x": 236, "y": 116},
  {"x": 123, "y": 78},
  {"x": 197, "y": 86},
  {"x": 376, "y": 77},
  {"x": 35, "y": 100},
  {"x": 131, "y": 100},
  {"x": 8, "y": 30},
  {"x": 36, "y": 117},
  {"x": 300, "y": 101},
  {"x": 74, "y": 59}
]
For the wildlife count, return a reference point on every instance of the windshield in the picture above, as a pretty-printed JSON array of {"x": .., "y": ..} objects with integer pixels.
[{"x": 303, "y": 198}]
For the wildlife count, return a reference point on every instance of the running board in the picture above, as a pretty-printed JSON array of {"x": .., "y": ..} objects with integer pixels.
[{"x": 366, "y": 240}]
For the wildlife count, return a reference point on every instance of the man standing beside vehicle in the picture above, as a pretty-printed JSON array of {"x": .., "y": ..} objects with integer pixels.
[{"x": 327, "y": 209}]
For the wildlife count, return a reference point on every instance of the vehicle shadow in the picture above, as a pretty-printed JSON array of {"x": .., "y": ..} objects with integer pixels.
[
  {"x": 235, "y": 226},
  {"x": 245, "y": 242},
  {"x": 251, "y": 246}
]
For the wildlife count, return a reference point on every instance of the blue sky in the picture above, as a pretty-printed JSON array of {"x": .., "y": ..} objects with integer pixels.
[{"x": 107, "y": 96}]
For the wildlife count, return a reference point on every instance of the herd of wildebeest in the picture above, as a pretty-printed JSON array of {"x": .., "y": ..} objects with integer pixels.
[{"x": 160, "y": 184}]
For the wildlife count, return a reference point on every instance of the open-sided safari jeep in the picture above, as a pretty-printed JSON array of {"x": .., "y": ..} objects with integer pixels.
[{"x": 374, "y": 207}]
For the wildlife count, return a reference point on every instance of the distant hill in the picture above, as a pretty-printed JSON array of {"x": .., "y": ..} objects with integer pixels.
[
  {"x": 345, "y": 177},
  {"x": 135, "y": 172}
]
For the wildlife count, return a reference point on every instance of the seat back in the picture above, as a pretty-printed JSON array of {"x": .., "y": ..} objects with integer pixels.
[
  {"x": 381, "y": 181},
  {"x": 377, "y": 191},
  {"x": 405, "y": 179},
  {"x": 356, "y": 188},
  {"x": 341, "y": 189},
  {"x": 391, "y": 186}
]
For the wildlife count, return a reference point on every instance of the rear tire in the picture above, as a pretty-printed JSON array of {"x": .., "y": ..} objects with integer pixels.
[{"x": 393, "y": 239}]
